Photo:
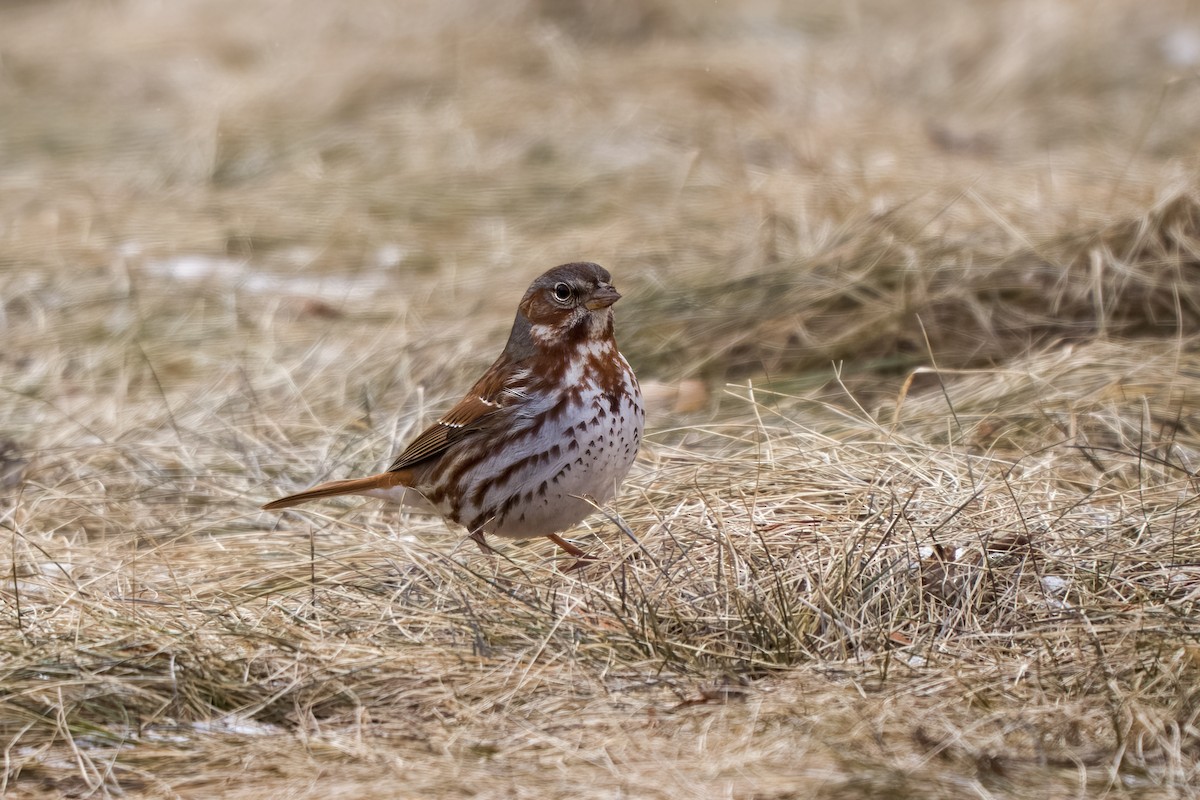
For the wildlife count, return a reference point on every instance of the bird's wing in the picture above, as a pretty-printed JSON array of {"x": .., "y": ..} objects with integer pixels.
[{"x": 469, "y": 415}]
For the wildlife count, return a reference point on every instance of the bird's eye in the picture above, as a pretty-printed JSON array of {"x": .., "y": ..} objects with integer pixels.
[{"x": 562, "y": 292}]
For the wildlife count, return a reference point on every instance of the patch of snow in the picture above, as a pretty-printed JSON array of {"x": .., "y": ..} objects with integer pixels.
[
  {"x": 1181, "y": 47},
  {"x": 197, "y": 268}
]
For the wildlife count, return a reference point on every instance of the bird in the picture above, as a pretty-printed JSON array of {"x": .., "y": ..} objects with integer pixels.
[{"x": 547, "y": 433}]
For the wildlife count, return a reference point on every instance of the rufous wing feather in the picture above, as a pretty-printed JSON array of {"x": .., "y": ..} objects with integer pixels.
[
  {"x": 473, "y": 413},
  {"x": 384, "y": 480},
  {"x": 468, "y": 415}
]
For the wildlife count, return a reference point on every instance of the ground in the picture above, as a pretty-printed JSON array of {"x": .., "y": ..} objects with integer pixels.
[{"x": 912, "y": 290}]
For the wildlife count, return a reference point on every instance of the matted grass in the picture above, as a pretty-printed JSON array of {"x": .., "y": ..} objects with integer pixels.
[{"x": 929, "y": 528}]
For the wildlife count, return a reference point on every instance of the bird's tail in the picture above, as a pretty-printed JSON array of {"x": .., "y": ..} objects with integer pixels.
[{"x": 372, "y": 484}]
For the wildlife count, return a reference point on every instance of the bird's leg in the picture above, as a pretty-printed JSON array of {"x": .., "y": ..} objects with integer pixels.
[
  {"x": 583, "y": 558},
  {"x": 565, "y": 545},
  {"x": 477, "y": 538}
]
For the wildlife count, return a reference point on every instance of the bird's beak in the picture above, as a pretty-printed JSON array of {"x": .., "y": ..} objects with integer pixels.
[{"x": 604, "y": 296}]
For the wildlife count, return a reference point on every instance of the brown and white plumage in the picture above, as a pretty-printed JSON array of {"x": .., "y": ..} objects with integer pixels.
[{"x": 550, "y": 429}]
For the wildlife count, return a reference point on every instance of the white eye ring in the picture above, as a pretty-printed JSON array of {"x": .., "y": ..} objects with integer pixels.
[{"x": 562, "y": 292}]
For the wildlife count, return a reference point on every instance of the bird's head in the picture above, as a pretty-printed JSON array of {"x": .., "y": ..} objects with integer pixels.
[{"x": 568, "y": 304}]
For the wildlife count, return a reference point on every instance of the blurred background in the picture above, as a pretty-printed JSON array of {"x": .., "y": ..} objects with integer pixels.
[{"x": 777, "y": 186}]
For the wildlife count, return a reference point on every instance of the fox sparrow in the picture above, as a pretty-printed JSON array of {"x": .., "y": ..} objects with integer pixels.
[{"x": 550, "y": 429}]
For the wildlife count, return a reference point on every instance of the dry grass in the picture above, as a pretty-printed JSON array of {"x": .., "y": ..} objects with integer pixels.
[{"x": 247, "y": 246}]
